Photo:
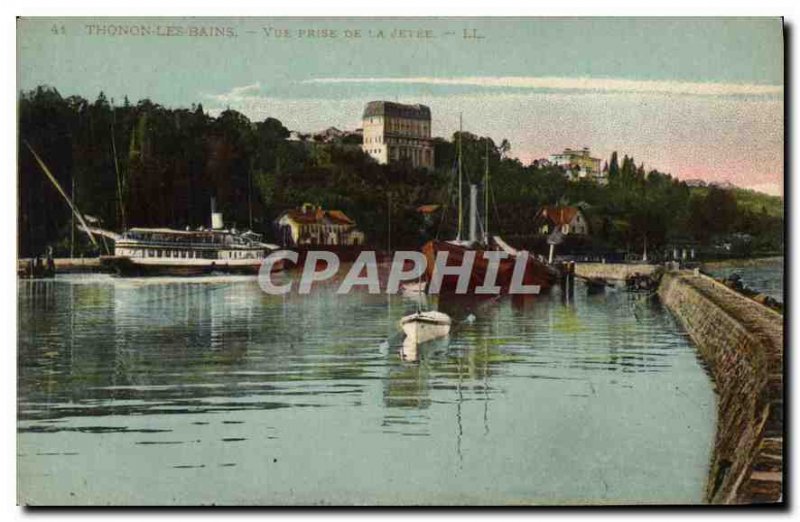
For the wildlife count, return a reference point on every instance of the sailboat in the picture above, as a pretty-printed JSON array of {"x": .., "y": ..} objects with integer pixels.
[{"x": 537, "y": 275}]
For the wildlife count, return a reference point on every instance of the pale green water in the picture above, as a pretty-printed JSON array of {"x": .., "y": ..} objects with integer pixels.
[
  {"x": 762, "y": 275},
  {"x": 170, "y": 391}
]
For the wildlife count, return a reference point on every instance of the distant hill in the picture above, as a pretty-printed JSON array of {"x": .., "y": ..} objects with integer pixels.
[{"x": 752, "y": 200}]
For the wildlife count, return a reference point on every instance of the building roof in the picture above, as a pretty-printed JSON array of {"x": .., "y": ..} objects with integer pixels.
[
  {"x": 317, "y": 215},
  {"x": 558, "y": 215},
  {"x": 400, "y": 110},
  {"x": 427, "y": 209},
  {"x": 142, "y": 230},
  {"x": 575, "y": 153},
  {"x": 339, "y": 217}
]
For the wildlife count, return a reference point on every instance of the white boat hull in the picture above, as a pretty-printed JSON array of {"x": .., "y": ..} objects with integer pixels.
[{"x": 425, "y": 326}]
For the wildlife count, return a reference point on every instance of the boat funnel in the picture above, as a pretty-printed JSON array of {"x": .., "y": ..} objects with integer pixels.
[
  {"x": 216, "y": 217},
  {"x": 473, "y": 213},
  {"x": 216, "y": 221}
]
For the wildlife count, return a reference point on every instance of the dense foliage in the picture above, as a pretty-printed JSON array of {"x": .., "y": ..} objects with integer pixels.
[{"x": 147, "y": 165}]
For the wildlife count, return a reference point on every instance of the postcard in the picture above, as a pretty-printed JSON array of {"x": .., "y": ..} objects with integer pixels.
[{"x": 400, "y": 261}]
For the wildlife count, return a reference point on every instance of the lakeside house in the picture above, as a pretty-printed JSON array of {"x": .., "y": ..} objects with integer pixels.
[
  {"x": 311, "y": 225},
  {"x": 579, "y": 164},
  {"x": 567, "y": 220}
]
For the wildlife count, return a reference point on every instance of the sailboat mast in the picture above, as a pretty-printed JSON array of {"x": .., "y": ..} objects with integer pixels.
[
  {"x": 460, "y": 202},
  {"x": 473, "y": 213},
  {"x": 486, "y": 198}
]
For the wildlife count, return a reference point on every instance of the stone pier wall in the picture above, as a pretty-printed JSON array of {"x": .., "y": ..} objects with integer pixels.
[
  {"x": 742, "y": 344},
  {"x": 612, "y": 270},
  {"x": 65, "y": 265}
]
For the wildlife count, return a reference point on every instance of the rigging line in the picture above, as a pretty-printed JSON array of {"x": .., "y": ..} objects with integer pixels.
[
  {"x": 52, "y": 178},
  {"x": 116, "y": 166},
  {"x": 493, "y": 199},
  {"x": 447, "y": 199}
]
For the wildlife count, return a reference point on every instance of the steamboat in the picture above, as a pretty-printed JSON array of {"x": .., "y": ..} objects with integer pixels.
[{"x": 172, "y": 252}]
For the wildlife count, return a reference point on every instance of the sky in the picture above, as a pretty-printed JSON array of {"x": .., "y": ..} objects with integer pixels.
[{"x": 698, "y": 98}]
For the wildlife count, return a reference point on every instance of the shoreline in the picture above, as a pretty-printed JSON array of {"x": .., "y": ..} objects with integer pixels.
[{"x": 745, "y": 261}]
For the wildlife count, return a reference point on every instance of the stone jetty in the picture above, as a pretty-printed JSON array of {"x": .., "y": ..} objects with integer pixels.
[{"x": 742, "y": 343}]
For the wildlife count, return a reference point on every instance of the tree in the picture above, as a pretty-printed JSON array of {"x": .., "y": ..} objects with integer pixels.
[
  {"x": 504, "y": 148},
  {"x": 613, "y": 167},
  {"x": 172, "y": 161}
]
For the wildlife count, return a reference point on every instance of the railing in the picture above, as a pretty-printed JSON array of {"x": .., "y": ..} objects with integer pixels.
[{"x": 139, "y": 243}]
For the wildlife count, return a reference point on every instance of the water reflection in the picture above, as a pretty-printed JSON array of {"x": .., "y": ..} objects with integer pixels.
[{"x": 160, "y": 377}]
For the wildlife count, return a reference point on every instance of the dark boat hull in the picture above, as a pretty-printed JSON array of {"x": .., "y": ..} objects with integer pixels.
[
  {"x": 345, "y": 253},
  {"x": 536, "y": 272},
  {"x": 127, "y": 267}
]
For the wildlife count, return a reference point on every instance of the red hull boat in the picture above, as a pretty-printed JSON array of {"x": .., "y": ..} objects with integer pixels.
[{"x": 536, "y": 272}]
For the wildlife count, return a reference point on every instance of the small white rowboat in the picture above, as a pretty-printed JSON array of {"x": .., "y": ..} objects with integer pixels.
[{"x": 420, "y": 327}]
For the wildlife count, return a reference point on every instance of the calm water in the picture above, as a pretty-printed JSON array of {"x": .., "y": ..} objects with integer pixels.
[
  {"x": 171, "y": 391},
  {"x": 763, "y": 275}
]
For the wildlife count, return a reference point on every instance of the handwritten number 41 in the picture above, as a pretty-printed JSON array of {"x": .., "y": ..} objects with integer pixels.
[{"x": 58, "y": 29}]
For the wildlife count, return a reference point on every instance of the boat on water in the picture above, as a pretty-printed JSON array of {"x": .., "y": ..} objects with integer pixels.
[
  {"x": 423, "y": 326},
  {"x": 173, "y": 252},
  {"x": 537, "y": 274},
  {"x": 165, "y": 251}
]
